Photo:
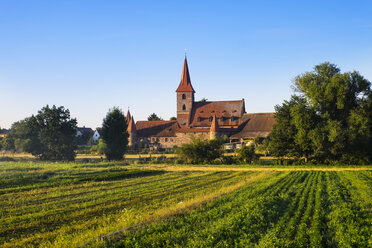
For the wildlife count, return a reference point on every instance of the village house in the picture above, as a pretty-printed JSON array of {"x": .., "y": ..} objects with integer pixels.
[{"x": 208, "y": 119}]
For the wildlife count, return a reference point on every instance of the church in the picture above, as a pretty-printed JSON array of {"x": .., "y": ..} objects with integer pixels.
[{"x": 208, "y": 119}]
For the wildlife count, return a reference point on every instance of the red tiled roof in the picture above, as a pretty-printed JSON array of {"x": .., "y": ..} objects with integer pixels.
[
  {"x": 185, "y": 84},
  {"x": 128, "y": 117},
  {"x": 214, "y": 127},
  {"x": 255, "y": 125},
  {"x": 228, "y": 113},
  {"x": 157, "y": 128},
  {"x": 131, "y": 126}
]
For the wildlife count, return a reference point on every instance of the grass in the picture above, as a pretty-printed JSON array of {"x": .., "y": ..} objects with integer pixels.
[{"x": 70, "y": 204}]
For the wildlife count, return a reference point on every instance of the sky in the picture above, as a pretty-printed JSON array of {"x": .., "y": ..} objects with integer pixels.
[{"x": 90, "y": 56}]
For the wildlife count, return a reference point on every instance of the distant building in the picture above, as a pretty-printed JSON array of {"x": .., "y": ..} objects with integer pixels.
[
  {"x": 204, "y": 118},
  {"x": 4, "y": 132},
  {"x": 84, "y": 131},
  {"x": 96, "y": 135}
]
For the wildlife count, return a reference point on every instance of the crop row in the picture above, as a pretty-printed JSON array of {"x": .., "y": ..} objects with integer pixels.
[
  {"x": 300, "y": 209},
  {"x": 69, "y": 207}
]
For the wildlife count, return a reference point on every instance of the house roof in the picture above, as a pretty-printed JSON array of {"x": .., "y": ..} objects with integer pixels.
[
  {"x": 185, "y": 84},
  {"x": 85, "y": 130},
  {"x": 228, "y": 113},
  {"x": 255, "y": 125},
  {"x": 157, "y": 128},
  {"x": 131, "y": 127},
  {"x": 214, "y": 127},
  {"x": 128, "y": 117}
]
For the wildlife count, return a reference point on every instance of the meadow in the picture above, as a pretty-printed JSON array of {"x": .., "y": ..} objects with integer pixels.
[{"x": 114, "y": 204}]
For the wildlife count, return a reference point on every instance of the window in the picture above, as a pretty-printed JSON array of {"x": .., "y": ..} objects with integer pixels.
[
  {"x": 199, "y": 119},
  {"x": 166, "y": 139},
  {"x": 232, "y": 118},
  {"x": 210, "y": 119},
  {"x": 171, "y": 139},
  {"x": 184, "y": 107},
  {"x": 183, "y": 96}
]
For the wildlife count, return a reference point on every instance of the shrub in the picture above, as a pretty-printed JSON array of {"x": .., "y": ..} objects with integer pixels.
[
  {"x": 246, "y": 154},
  {"x": 200, "y": 151}
]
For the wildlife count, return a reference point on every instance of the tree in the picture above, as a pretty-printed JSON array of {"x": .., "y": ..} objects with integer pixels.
[
  {"x": 50, "y": 135},
  {"x": 329, "y": 118},
  {"x": 173, "y": 118},
  {"x": 200, "y": 150},
  {"x": 246, "y": 154},
  {"x": 154, "y": 117},
  {"x": 114, "y": 134}
]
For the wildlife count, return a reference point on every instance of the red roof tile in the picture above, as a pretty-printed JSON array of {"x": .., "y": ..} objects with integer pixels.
[
  {"x": 228, "y": 113},
  {"x": 131, "y": 126},
  {"x": 214, "y": 127},
  {"x": 157, "y": 128},
  {"x": 255, "y": 125},
  {"x": 185, "y": 84}
]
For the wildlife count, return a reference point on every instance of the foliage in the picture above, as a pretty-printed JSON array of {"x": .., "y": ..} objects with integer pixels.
[
  {"x": 246, "y": 154},
  {"x": 68, "y": 204},
  {"x": 330, "y": 119},
  {"x": 200, "y": 150},
  {"x": 173, "y": 118},
  {"x": 114, "y": 134},
  {"x": 50, "y": 135},
  {"x": 84, "y": 138},
  {"x": 154, "y": 117},
  {"x": 203, "y": 100},
  {"x": 296, "y": 209}
]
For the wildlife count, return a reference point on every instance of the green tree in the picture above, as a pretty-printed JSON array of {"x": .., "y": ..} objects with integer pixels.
[
  {"x": 114, "y": 134},
  {"x": 173, "y": 118},
  {"x": 329, "y": 118},
  {"x": 154, "y": 117},
  {"x": 200, "y": 150},
  {"x": 246, "y": 154},
  {"x": 50, "y": 135}
]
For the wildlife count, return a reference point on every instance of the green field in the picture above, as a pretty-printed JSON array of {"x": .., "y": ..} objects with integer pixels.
[{"x": 69, "y": 205}]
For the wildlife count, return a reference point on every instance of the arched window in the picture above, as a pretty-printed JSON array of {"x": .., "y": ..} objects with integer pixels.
[
  {"x": 199, "y": 119},
  {"x": 184, "y": 107},
  {"x": 232, "y": 118},
  {"x": 210, "y": 119},
  {"x": 183, "y": 96}
]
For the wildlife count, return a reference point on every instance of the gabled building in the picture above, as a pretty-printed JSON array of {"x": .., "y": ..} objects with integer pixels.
[{"x": 209, "y": 119}]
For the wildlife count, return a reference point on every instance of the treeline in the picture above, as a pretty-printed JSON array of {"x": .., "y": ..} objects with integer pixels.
[
  {"x": 51, "y": 135},
  {"x": 328, "y": 119}
]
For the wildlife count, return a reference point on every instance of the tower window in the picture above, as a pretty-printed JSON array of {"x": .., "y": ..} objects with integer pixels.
[
  {"x": 210, "y": 119},
  {"x": 199, "y": 119},
  {"x": 183, "y": 96},
  {"x": 232, "y": 118},
  {"x": 184, "y": 107}
]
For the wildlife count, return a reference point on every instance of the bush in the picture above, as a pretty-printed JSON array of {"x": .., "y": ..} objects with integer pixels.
[
  {"x": 200, "y": 151},
  {"x": 246, "y": 154}
]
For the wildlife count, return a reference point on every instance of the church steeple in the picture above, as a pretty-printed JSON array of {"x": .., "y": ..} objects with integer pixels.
[
  {"x": 185, "y": 84},
  {"x": 185, "y": 96}
]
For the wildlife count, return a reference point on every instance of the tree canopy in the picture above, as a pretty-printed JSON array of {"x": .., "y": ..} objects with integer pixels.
[
  {"x": 114, "y": 134},
  {"x": 154, "y": 117},
  {"x": 328, "y": 119},
  {"x": 50, "y": 134}
]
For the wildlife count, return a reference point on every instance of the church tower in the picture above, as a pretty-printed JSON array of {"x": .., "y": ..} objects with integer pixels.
[{"x": 185, "y": 96}]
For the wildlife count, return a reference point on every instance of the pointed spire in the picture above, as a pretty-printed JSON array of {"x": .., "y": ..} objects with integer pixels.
[
  {"x": 131, "y": 126},
  {"x": 214, "y": 127},
  {"x": 128, "y": 116},
  {"x": 185, "y": 84}
]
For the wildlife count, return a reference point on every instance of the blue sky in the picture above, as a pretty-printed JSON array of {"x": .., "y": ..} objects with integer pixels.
[{"x": 92, "y": 55}]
